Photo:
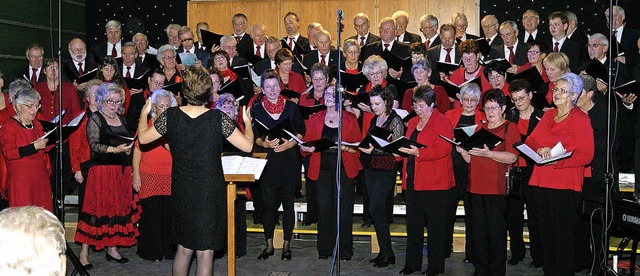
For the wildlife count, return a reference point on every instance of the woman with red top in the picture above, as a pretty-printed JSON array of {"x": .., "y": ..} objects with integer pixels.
[
  {"x": 78, "y": 144},
  {"x": 167, "y": 58},
  {"x": 536, "y": 52},
  {"x": 381, "y": 170},
  {"x": 319, "y": 79},
  {"x": 487, "y": 188},
  {"x": 107, "y": 217},
  {"x": 526, "y": 117},
  {"x": 24, "y": 153},
  {"x": 472, "y": 68},
  {"x": 558, "y": 184},
  {"x": 322, "y": 170},
  {"x": 428, "y": 179},
  {"x": 5, "y": 113},
  {"x": 421, "y": 70},
  {"x": 49, "y": 94},
  {"x": 152, "y": 180},
  {"x": 221, "y": 62},
  {"x": 497, "y": 77},
  {"x": 555, "y": 65},
  {"x": 351, "y": 64},
  {"x": 468, "y": 114},
  {"x": 289, "y": 79}
]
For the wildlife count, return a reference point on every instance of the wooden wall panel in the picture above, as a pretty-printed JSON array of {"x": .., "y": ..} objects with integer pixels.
[{"x": 218, "y": 13}]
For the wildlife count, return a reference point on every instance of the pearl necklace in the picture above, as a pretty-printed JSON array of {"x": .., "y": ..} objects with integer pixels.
[{"x": 23, "y": 125}]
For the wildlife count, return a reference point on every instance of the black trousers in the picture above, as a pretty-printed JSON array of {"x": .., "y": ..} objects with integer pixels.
[
  {"x": 327, "y": 193},
  {"x": 310, "y": 193},
  {"x": 154, "y": 241},
  {"x": 557, "y": 216},
  {"x": 535, "y": 244},
  {"x": 489, "y": 233},
  {"x": 515, "y": 214},
  {"x": 274, "y": 196},
  {"x": 380, "y": 186},
  {"x": 258, "y": 200},
  {"x": 459, "y": 192},
  {"x": 432, "y": 207},
  {"x": 241, "y": 226},
  {"x": 589, "y": 239},
  {"x": 362, "y": 188}
]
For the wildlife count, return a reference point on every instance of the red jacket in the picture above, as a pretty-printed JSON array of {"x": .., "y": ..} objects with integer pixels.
[
  {"x": 442, "y": 99},
  {"x": 576, "y": 135},
  {"x": 49, "y": 102},
  {"x": 79, "y": 145},
  {"x": 433, "y": 168},
  {"x": 455, "y": 114},
  {"x": 350, "y": 133},
  {"x": 458, "y": 78},
  {"x": 296, "y": 83}
]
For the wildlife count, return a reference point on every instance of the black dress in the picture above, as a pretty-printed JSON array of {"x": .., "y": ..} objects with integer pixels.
[{"x": 198, "y": 187}]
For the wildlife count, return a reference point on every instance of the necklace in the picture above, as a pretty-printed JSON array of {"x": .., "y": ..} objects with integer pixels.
[
  {"x": 110, "y": 117},
  {"x": 332, "y": 118},
  {"x": 472, "y": 72},
  {"x": 558, "y": 118},
  {"x": 23, "y": 125}
]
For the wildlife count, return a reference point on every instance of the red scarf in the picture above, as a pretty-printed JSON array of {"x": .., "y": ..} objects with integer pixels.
[
  {"x": 369, "y": 86},
  {"x": 274, "y": 108}
]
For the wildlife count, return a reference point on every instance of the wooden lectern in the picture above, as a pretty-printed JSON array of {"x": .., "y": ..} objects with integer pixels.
[{"x": 232, "y": 194}]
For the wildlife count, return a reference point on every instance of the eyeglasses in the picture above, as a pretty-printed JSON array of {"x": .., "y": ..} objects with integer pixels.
[
  {"x": 169, "y": 57},
  {"x": 507, "y": 34},
  {"x": 558, "y": 89},
  {"x": 379, "y": 73},
  {"x": 495, "y": 77},
  {"x": 111, "y": 102},
  {"x": 219, "y": 58},
  {"x": 492, "y": 108},
  {"x": 595, "y": 45},
  {"x": 187, "y": 39},
  {"x": 352, "y": 52},
  {"x": 157, "y": 83},
  {"x": 519, "y": 99},
  {"x": 162, "y": 107},
  {"x": 490, "y": 25},
  {"x": 532, "y": 52},
  {"x": 32, "y": 106},
  {"x": 52, "y": 67},
  {"x": 418, "y": 106},
  {"x": 78, "y": 51},
  {"x": 319, "y": 79},
  {"x": 467, "y": 59},
  {"x": 469, "y": 100}
]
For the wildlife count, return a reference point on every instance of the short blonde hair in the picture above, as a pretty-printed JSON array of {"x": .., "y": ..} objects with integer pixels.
[{"x": 32, "y": 242}]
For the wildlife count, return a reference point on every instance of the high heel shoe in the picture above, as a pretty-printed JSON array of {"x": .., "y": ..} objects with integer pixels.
[
  {"x": 286, "y": 254},
  {"x": 265, "y": 254},
  {"x": 384, "y": 262},
  {"x": 122, "y": 260}
]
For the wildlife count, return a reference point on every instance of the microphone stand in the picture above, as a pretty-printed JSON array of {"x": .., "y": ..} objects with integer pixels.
[
  {"x": 58, "y": 196},
  {"x": 338, "y": 106},
  {"x": 609, "y": 181}
]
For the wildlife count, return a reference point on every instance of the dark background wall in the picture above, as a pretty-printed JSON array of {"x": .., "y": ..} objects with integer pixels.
[{"x": 36, "y": 21}]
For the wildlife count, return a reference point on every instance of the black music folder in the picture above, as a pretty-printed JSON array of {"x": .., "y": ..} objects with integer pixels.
[
  {"x": 597, "y": 70},
  {"x": 453, "y": 90},
  {"x": 531, "y": 74},
  {"x": 357, "y": 98},
  {"x": 210, "y": 38},
  {"x": 276, "y": 130},
  {"x": 483, "y": 46},
  {"x": 290, "y": 94},
  {"x": 116, "y": 140},
  {"x": 52, "y": 132},
  {"x": 503, "y": 64},
  {"x": 173, "y": 88},
  {"x": 395, "y": 145},
  {"x": 395, "y": 62},
  {"x": 307, "y": 111},
  {"x": 463, "y": 133},
  {"x": 233, "y": 87},
  {"x": 376, "y": 131},
  {"x": 86, "y": 76},
  {"x": 632, "y": 87},
  {"x": 353, "y": 82},
  {"x": 478, "y": 140},
  {"x": 444, "y": 67}
]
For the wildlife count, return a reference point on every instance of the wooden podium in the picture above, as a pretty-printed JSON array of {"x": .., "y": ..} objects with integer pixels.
[{"x": 232, "y": 194}]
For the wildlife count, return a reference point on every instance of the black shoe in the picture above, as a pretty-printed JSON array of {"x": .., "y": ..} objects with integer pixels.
[
  {"x": 88, "y": 267},
  {"x": 286, "y": 254},
  {"x": 366, "y": 224},
  {"x": 323, "y": 257},
  {"x": 265, "y": 255},
  {"x": 406, "y": 271},
  {"x": 122, "y": 260},
  {"x": 384, "y": 262},
  {"x": 308, "y": 222},
  {"x": 431, "y": 273},
  {"x": 513, "y": 261},
  {"x": 257, "y": 221},
  {"x": 468, "y": 260},
  {"x": 375, "y": 260},
  {"x": 536, "y": 264},
  {"x": 345, "y": 258}
]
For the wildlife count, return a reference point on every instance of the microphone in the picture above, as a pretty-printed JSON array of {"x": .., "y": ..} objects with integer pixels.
[{"x": 340, "y": 15}]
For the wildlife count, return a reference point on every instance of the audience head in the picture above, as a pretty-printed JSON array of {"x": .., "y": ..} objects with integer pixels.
[
  {"x": 402, "y": 20},
  {"x": 351, "y": 50},
  {"x": 381, "y": 100},
  {"x": 429, "y": 25},
  {"x": 496, "y": 74},
  {"x": 361, "y": 24},
  {"x": 589, "y": 90},
  {"x": 35, "y": 55},
  {"x": 77, "y": 50},
  {"x": 196, "y": 85},
  {"x": 319, "y": 76},
  {"x": 161, "y": 100},
  {"x": 51, "y": 69},
  {"x": 323, "y": 42},
  {"x": 172, "y": 35},
  {"x": 108, "y": 70},
  {"x": 17, "y": 86},
  {"x": 229, "y": 44},
  {"x": 509, "y": 32},
  {"x": 536, "y": 52},
  {"x": 239, "y": 22},
  {"x": 421, "y": 71},
  {"x": 32, "y": 242},
  {"x": 423, "y": 97},
  {"x": 312, "y": 29},
  {"x": 185, "y": 34},
  {"x": 91, "y": 91},
  {"x": 291, "y": 23},
  {"x": 375, "y": 69},
  {"x": 494, "y": 104},
  {"x": 569, "y": 88},
  {"x": 470, "y": 54},
  {"x": 220, "y": 60},
  {"x": 114, "y": 31},
  {"x": 489, "y": 25},
  {"x": 572, "y": 20},
  {"x": 469, "y": 97},
  {"x": 284, "y": 60},
  {"x": 417, "y": 50}
]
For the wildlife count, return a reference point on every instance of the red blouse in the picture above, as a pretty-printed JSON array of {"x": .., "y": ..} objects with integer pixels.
[
  {"x": 296, "y": 83},
  {"x": 433, "y": 168},
  {"x": 457, "y": 78},
  {"x": 442, "y": 99},
  {"x": 79, "y": 145},
  {"x": 49, "y": 102},
  {"x": 576, "y": 135},
  {"x": 487, "y": 176},
  {"x": 350, "y": 133},
  {"x": 155, "y": 169},
  {"x": 455, "y": 114}
]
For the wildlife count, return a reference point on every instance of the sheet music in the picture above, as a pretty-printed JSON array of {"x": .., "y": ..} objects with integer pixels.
[
  {"x": 48, "y": 132},
  {"x": 235, "y": 164},
  {"x": 57, "y": 118},
  {"x": 380, "y": 142},
  {"x": 401, "y": 112},
  {"x": 254, "y": 77},
  {"x": 469, "y": 130},
  {"x": 294, "y": 137},
  {"x": 76, "y": 120},
  {"x": 526, "y": 150},
  {"x": 449, "y": 140}
]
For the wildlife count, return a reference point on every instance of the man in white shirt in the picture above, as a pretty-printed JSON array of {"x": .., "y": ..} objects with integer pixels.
[
  {"x": 530, "y": 22},
  {"x": 361, "y": 24},
  {"x": 429, "y": 28},
  {"x": 113, "y": 45}
]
